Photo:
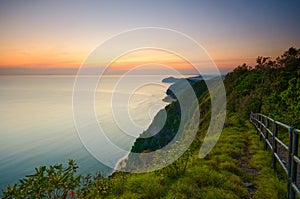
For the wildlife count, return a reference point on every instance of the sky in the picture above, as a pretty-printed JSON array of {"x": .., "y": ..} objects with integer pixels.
[{"x": 59, "y": 35}]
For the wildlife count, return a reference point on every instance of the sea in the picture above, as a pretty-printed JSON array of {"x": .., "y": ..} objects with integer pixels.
[{"x": 37, "y": 125}]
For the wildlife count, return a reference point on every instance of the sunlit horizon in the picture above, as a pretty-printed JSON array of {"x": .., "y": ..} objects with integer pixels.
[{"x": 58, "y": 36}]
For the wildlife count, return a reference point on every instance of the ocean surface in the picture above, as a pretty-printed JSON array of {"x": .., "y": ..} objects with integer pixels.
[{"x": 37, "y": 126}]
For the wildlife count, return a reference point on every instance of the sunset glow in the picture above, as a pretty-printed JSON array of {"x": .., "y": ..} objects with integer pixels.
[
  {"x": 35, "y": 37},
  {"x": 150, "y": 57},
  {"x": 149, "y": 99}
]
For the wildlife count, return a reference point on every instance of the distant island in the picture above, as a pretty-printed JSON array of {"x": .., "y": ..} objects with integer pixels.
[
  {"x": 170, "y": 80},
  {"x": 174, "y": 79},
  {"x": 178, "y": 86}
]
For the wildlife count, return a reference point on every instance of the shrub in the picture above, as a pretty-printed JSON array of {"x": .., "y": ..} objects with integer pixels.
[{"x": 52, "y": 182}]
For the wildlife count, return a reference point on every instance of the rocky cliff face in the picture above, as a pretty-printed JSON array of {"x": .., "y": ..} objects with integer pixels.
[{"x": 165, "y": 125}]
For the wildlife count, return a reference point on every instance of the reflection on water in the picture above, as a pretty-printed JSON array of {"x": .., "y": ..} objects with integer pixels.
[{"x": 37, "y": 126}]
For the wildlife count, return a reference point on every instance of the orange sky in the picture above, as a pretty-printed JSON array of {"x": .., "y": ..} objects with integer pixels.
[
  {"x": 54, "y": 57},
  {"x": 141, "y": 57},
  {"x": 48, "y": 35}
]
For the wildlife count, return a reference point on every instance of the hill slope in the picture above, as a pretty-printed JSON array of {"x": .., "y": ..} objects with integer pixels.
[{"x": 237, "y": 167}]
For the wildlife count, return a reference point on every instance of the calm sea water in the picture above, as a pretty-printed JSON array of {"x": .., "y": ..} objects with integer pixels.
[{"x": 37, "y": 126}]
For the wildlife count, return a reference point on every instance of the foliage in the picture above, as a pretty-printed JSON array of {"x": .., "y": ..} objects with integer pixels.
[
  {"x": 178, "y": 167},
  {"x": 217, "y": 176},
  {"x": 52, "y": 182},
  {"x": 270, "y": 87},
  {"x": 94, "y": 186}
]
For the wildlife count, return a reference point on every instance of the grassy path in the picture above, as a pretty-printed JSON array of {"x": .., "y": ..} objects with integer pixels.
[
  {"x": 269, "y": 183},
  {"x": 242, "y": 166},
  {"x": 237, "y": 167}
]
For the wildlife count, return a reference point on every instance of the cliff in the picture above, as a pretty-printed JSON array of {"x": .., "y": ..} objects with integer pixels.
[{"x": 166, "y": 123}]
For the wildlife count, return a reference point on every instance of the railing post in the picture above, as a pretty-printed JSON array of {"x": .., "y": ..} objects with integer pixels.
[
  {"x": 262, "y": 124},
  {"x": 266, "y": 133},
  {"x": 274, "y": 149},
  {"x": 260, "y": 127},
  {"x": 294, "y": 163},
  {"x": 291, "y": 193},
  {"x": 255, "y": 121}
]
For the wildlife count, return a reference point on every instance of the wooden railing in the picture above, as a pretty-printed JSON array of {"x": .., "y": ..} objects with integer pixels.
[{"x": 284, "y": 147}]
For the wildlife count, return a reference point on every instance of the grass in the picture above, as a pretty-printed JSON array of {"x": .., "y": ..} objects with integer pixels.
[
  {"x": 269, "y": 183},
  {"x": 218, "y": 175},
  {"x": 237, "y": 160}
]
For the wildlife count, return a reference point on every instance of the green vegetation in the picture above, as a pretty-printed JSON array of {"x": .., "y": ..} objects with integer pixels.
[
  {"x": 53, "y": 182},
  {"x": 237, "y": 167},
  {"x": 272, "y": 87},
  {"x": 220, "y": 175}
]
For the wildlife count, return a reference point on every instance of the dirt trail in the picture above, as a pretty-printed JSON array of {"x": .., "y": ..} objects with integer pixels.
[{"x": 248, "y": 170}]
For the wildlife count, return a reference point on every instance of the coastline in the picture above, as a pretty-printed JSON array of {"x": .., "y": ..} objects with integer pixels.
[
  {"x": 170, "y": 98},
  {"x": 122, "y": 163}
]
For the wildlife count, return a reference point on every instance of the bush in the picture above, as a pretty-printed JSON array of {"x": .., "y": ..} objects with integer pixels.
[{"x": 52, "y": 182}]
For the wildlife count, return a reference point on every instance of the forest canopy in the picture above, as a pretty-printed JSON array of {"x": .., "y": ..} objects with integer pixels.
[{"x": 271, "y": 87}]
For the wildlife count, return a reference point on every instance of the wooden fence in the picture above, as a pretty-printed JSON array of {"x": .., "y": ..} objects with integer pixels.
[{"x": 284, "y": 148}]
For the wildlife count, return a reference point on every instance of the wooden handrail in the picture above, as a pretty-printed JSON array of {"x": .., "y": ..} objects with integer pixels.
[{"x": 263, "y": 124}]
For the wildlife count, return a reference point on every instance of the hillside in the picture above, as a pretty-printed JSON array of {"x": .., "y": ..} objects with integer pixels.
[
  {"x": 237, "y": 167},
  {"x": 271, "y": 87}
]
